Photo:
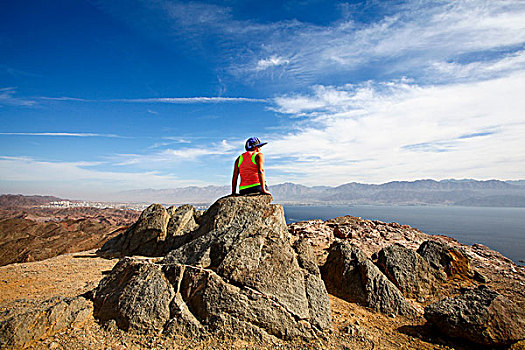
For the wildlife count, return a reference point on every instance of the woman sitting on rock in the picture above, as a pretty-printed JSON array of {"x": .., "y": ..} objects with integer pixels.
[{"x": 250, "y": 165}]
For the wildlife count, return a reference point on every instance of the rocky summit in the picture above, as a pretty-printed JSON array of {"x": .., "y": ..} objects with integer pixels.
[
  {"x": 237, "y": 271},
  {"x": 236, "y": 276}
]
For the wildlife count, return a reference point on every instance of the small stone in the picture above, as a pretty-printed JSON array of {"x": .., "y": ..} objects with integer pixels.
[
  {"x": 110, "y": 325},
  {"x": 479, "y": 277},
  {"x": 353, "y": 331}
]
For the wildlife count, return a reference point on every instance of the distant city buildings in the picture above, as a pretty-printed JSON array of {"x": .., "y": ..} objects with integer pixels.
[
  {"x": 106, "y": 205},
  {"x": 98, "y": 205}
]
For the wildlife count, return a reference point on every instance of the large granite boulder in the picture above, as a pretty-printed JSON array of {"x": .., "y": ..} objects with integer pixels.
[
  {"x": 238, "y": 271},
  {"x": 350, "y": 275},
  {"x": 156, "y": 232},
  {"x": 23, "y": 326},
  {"x": 480, "y": 315},
  {"x": 449, "y": 260},
  {"x": 412, "y": 275}
]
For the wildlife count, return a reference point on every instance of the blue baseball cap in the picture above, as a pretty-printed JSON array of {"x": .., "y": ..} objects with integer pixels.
[{"x": 253, "y": 142}]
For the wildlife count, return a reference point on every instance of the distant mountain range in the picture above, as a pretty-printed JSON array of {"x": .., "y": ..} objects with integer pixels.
[{"x": 421, "y": 192}]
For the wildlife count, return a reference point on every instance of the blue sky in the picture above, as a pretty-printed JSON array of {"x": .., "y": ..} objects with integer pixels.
[{"x": 98, "y": 97}]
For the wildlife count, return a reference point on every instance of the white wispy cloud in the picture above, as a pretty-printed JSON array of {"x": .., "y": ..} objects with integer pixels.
[
  {"x": 479, "y": 70},
  {"x": 27, "y": 175},
  {"x": 8, "y": 98},
  {"x": 168, "y": 156},
  {"x": 188, "y": 100},
  {"x": 349, "y": 97},
  {"x": 192, "y": 153},
  {"x": 65, "y": 98},
  {"x": 377, "y": 133},
  {"x": 416, "y": 37},
  {"x": 272, "y": 61},
  {"x": 413, "y": 39},
  {"x": 69, "y": 134},
  {"x": 177, "y": 139}
]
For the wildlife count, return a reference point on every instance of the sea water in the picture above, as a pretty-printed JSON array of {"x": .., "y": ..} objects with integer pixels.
[{"x": 501, "y": 229}]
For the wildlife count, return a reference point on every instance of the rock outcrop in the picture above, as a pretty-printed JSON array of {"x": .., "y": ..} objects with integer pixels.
[
  {"x": 25, "y": 326},
  {"x": 370, "y": 236},
  {"x": 408, "y": 271},
  {"x": 480, "y": 315},
  {"x": 350, "y": 275},
  {"x": 155, "y": 233},
  {"x": 237, "y": 271}
]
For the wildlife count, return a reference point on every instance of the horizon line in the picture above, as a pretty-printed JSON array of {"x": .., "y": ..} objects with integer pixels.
[{"x": 284, "y": 183}]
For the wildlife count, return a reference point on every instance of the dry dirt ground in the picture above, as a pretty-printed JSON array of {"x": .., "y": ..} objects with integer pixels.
[{"x": 354, "y": 326}]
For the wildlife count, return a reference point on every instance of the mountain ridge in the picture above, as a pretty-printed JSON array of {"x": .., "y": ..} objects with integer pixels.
[{"x": 418, "y": 192}]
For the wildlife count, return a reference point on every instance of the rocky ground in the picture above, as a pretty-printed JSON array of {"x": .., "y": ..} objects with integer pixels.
[
  {"x": 69, "y": 275},
  {"x": 24, "y": 286}
]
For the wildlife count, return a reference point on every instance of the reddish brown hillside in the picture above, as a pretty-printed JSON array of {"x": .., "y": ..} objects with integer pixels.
[
  {"x": 18, "y": 200},
  {"x": 32, "y": 233},
  {"x": 23, "y": 240}
]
